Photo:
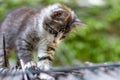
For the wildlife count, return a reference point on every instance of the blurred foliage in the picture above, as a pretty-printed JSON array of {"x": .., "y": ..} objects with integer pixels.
[{"x": 99, "y": 41}]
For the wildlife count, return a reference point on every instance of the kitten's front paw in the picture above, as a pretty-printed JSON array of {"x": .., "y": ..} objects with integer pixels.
[
  {"x": 30, "y": 64},
  {"x": 44, "y": 64},
  {"x": 44, "y": 76}
]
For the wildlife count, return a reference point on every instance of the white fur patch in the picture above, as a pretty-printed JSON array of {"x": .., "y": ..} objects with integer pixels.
[
  {"x": 22, "y": 64},
  {"x": 46, "y": 77},
  {"x": 28, "y": 65},
  {"x": 44, "y": 64}
]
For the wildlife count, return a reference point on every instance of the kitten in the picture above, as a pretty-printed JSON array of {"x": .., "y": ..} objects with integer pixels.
[{"x": 27, "y": 29}]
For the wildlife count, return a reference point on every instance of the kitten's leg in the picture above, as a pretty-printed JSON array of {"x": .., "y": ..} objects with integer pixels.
[
  {"x": 24, "y": 52},
  {"x": 45, "y": 55},
  {"x": 46, "y": 52},
  {"x": 43, "y": 62}
]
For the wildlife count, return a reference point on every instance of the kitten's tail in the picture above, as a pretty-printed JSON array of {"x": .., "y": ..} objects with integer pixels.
[{"x": 3, "y": 55}]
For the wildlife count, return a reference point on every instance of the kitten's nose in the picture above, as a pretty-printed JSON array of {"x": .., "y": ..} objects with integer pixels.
[{"x": 77, "y": 21}]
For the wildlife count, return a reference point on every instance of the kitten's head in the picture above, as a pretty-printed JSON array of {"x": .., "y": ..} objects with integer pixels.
[{"x": 59, "y": 18}]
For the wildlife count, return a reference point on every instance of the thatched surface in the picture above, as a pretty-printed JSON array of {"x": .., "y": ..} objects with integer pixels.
[{"x": 105, "y": 71}]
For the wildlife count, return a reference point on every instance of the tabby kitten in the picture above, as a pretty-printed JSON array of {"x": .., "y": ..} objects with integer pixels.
[{"x": 27, "y": 29}]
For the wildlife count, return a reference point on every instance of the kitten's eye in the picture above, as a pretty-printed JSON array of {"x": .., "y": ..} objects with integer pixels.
[{"x": 57, "y": 14}]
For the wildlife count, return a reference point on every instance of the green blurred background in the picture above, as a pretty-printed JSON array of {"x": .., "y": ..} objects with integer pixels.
[{"x": 98, "y": 41}]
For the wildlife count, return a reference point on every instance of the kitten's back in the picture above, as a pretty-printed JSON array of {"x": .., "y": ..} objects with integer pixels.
[{"x": 15, "y": 23}]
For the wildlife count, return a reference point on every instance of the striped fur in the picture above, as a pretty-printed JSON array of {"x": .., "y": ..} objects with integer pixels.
[{"x": 27, "y": 29}]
